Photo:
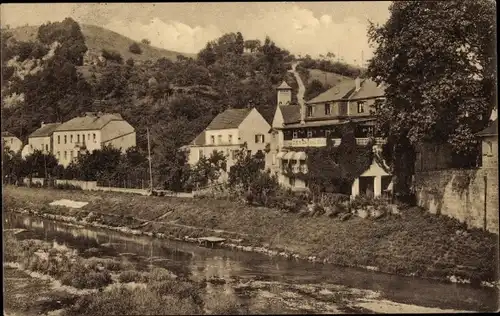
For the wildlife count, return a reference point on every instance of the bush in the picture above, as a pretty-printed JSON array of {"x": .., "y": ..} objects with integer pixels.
[
  {"x": 134, "y": 48},
  {"x": 84, "y": 278},
  {"x": 132, "y": 276}
]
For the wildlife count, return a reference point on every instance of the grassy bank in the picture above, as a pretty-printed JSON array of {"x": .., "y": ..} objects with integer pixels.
[{"x": 415, "y": 243}]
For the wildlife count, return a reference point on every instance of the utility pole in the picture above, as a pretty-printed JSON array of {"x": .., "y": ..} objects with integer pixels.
[{"x": 149, "y": 158}]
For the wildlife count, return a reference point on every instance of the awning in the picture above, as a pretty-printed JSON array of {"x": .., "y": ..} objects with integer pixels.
[
  {"x": 280, "y": 154},
  {"x": 289, "y": 155},
  {"x": 300, "y": 155}
]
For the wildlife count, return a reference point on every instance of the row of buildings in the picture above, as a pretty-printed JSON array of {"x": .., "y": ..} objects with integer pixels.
[
  {"x": 66, "y": 141},
  {"x": 296, "y": 127}
]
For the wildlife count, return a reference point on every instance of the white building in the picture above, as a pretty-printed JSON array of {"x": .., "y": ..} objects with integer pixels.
[
  {"x": 90, "y": 132},
  {"x": 11, "y": 141}
]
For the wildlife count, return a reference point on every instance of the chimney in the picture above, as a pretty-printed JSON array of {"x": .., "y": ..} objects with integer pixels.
[{"x": 358, "y": 83}]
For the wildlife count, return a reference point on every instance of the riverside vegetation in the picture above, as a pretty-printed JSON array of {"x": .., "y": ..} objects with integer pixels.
[
  {"x": 122, "y": 288},
  {"x": 412, "y": 242}
]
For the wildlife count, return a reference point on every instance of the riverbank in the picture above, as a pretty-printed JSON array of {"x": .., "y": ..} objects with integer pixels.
[{"x": 415, "y": 243}]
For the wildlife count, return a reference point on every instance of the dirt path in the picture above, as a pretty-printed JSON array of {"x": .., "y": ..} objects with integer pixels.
[{"x": 302, "y": 88}]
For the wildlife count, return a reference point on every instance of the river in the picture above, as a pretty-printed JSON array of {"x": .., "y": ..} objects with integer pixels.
[{"x": 301, "y": 286}]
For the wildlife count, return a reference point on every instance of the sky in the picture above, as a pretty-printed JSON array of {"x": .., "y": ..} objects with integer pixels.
[{"x": 301, "y": 27}]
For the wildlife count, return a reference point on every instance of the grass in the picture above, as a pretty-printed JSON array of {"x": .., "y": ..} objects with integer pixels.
[
  {"x": 415, "y": 243},
  {"x": 98, "y": 38},
  {"x": 326, "y": 78}
]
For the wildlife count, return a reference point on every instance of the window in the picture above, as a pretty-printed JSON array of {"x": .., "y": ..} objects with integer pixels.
[
  {"x": 46, "y": 147},
  {"x": 88, "y": 137},
  {"x": 200, "y": 153},
  {"x": 295, "y": 134},
  {"x": 230, "y": 138},
  {"x": 327, "y": 133},
  {"x": 71, "y": 138},
  {"x": 361, "y": 106},
  {"x": 212, "y": 138},
  {"x": 233, "y": 154},
  {"x": 328, "y": 109},
  {"x": 249, "y": 152},
  {"x": 78, "y": 138},
  {"x": 259, "y": 138},
  {"x": 65, "y": 155},
  {"x": 309, "y": 134},
  {"x": 65, "y": 139},
  {"x": 94, "y": 137},
  {"x": 291, "y": 181},
  {"x": 71, "y": 154},
  {"x": 58, "y": 139},
  {"x": 219, "y": 139},
  {"x": 489, "y": 148},
  {"x": 83, "y": 138},
  {"x": 309, "y": 110}
]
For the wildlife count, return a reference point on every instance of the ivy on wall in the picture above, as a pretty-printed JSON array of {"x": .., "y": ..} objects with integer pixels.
[{"x": 334, "y": 169}]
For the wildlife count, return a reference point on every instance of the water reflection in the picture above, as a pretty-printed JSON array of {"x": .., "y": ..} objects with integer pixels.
[{"x": 202, "y": 263}]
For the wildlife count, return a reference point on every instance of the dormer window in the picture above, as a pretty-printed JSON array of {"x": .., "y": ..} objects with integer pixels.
[
  {"x": 361, "y": 106},
  {"x": 328, "y": 109}
]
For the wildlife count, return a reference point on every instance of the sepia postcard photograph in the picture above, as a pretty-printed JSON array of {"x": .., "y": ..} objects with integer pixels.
[{"x": 240, "y": 158}]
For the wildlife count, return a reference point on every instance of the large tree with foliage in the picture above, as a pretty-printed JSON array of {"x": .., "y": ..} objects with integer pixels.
[{"x": 437, "y": 60}]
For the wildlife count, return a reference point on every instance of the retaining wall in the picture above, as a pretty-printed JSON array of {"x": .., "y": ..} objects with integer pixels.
[{"x": 469, "y": 195}]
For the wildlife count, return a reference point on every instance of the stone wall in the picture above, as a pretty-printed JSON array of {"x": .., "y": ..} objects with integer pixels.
[
  {"x": 461, "y": 193},
  {"x": 84, "y": 185}
]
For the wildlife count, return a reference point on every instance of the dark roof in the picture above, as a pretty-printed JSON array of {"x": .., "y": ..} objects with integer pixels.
[
  {"x": 230, "y": 118},
  {"x": 347, "y": 90},
  {"x": 199, "y": 140},
  {"x": 45, "y": 130},
  {"x": 337, "y": 92},
  {"x": 91, "y": 121},
  {"x": 491, "y": 130},
  {"x": 368, "y": 89},
  {"x": 291, "y": 113}
]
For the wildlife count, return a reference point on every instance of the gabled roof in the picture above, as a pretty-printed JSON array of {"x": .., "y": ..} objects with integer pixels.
[
  {"x": 199, "y": 140},
  {"x": 491, "y": 130},
  {"x": 291, "y": 113},
  {"x": 45, "y": 130},
  {"x": 284, "y": 85},
  {"x": 337, "y": 92},
  {"x": 230, "y": 118},
  {"x": 368, "y": 89},
  {"x": 90, "y": 121}
]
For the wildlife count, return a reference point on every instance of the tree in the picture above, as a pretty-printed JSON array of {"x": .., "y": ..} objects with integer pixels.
[
  {"x": 208, "y": 55},
  {"x": 134, "y": 48},
  {"x": 145, "y": 41},
  {"x": 246, "y": 168},
  {"x": 67, "y": 33},
  {"x": 314, "y": 89},
  {"x": 39, "y": 164},
  {"x": 437, "y": 60},
  {"x": 112, "y": 55},
  {"x": 239, "y": 44},
  {"x": 252, "y": 45},
  {"x": 208, "y": 170}
]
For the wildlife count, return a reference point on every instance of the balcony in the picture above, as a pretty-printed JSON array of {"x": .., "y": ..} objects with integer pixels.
[
  {"x": 365, "y": 140},
  {"x": 321, "y": 142}
]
